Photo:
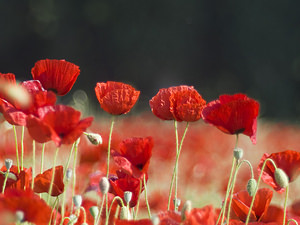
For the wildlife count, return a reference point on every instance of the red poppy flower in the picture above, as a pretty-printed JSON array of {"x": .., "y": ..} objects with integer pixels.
[
  {"x": 115, "y": 97},
  {"x": 60, "y": 123},
  {"x": 182, "y": 103},
  {"x": 205, "y": 215},
  {"x": 42, "y": 181},
  {"x": 233, "y": 114},
  {"x": 261, "y": 211},
  {"x": 17, "y": 180},
  {"x": 169, "y": 218},
  {"x": 124, "y": 182},
  {"x": 55, "y": 75},
  {"x": 288, "y": 161},
  {"x": 133, "y": 222},
  {"x": 35, "y": 209},
  {"x": 7, "y": 78},
  {"x": 134, "y": 156}
]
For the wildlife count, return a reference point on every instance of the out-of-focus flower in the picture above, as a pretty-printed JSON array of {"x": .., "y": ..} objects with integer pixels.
[
  {"x": 288, "y": 161},
  {"x": 233, "y": 114},
  {"x": 116, "y": 98},
  {"x": 134, "y": 156},
  {"x": 205, "y": 215},
  {"x": 181, "y": 103},
  {"x": 42, "y": 181},
  {"x": 55, "y": 75},
  {"x": 133, "y": 222},
  {"x": 60, "y": 123}
]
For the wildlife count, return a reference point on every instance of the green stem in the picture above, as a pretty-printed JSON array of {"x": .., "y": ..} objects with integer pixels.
[
  {"x": 138, "y": 201},
  {"x": 114, "y": 199},
  {"x": 109, "y": 143},
  {"x": 42, "y": 157},
  {"x": 97, "y": 220},
  {"x": 33, "y": 164},
  {"x": 17, "y": 149},
  {"x": 258, "y": 181},
  {"x": 74, "y": 171},
  {"x": 285, "y": 203},
  {"x": 64, "y": 200},
  {"x": 69, "y": 159},
  {"x": 292, "y": 220},
  {"x": 53, "y": 175},
  {"x": 146, "y": 198},
  {"x": 5, "y": 180},
  {"x": 22, "y": 148}
]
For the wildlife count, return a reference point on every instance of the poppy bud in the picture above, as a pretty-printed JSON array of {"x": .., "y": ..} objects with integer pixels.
[
  {"x": 238, "y": 153},
  {"x": 251, "y": 186},
  {"x": 124, "y": 213},
  {"x": 155, "y": 220},
  {"x": 8, "y": 163},
  {"x": 94, "y": 210},
  {"x": 19, "y": 216},
  {"x": 104, "y": 185},
  {"x": 73, "y": 219},
  {"x": 84, "y": 224},
  {"x": 127, "y": 196},
  {"x": 176, "y": 202},
  {"x": 77, "y": 199},
  {"x": 95, "y": 139},
  {"x": 69, "y": 174},
  {"x": 187, "y": 207},
  {"x": 281, "y": 178}
]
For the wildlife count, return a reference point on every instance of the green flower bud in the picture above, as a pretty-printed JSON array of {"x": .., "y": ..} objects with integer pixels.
[
  {"x": 238, "y": 153},
  {"x": 251, "y": 186},
  {"x": 281, "y": 178}
]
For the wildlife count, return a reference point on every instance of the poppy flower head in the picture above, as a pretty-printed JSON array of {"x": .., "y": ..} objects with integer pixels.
[
  {"x": 233, "y": 114},
  {"x": 288, "y": 161},
  {"x": 8, "y": 77},
  {"x": 161, "y": 104},
  {"x": 55, "y": 75},
  {"x": 116, "y": 98},
  {"x": 60, "y": 123}
]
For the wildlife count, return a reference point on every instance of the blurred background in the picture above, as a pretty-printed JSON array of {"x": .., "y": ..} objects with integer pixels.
[{"x": 217, "y": 46}]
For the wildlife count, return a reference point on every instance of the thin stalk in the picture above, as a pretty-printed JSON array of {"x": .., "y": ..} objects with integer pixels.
[
  {"x": 69, "y": 159},
  {"x": 97, "y": 220},
  {"x": 17, "y": 149},
  {"x": 285, "y": 203},
  {"x": 53, "y": 175},
  {"x": 64, "y": 200},
  {"x": 146, "y": 198},
  {"x": 74, "y": 171},
  {"x": 42, "y": 157},
  {"x": 33, "y": 164},
  {"x": 138, "y": 201},
  {"x": 115, "y": 198},
  {"x": 22, "y": 148},
  {"x": 292, "y": 220},
  {"x": 109, "y": 143},
  {"x": 258, "y": 181},
  {"x": 5, "y": 180}
]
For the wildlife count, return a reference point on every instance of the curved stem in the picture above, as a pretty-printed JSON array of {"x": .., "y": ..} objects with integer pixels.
[
  {"x": 109, "y": 143},
  {"x": 53, "y": 175},
  {"x": 285, "y": 203},
  {"x": 146, "y": 198},
  {"x": 5, "y": 180},
  {"x": 292, "y": 220},
  {"x": 115, "y": 198},
  {"x": 17, "y": 149}
]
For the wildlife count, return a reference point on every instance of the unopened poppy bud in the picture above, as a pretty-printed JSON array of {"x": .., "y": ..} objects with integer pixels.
[
  {"x": 8, "y": 163},
  {"x": 94, "y": 210},
  {"x": 238, "y": 153},
  {"x": 73, "y": 219},
  {"x": 124, "y": 213},
  {"x": 251, "y": 186},
  {"x": 104, "y": 185},
  {"x": 95, "y": 139},
  {"x": 155, "y": 220},
  {"x": 69, "y": 174},
  {"x": 19, "y": 216},
  {"x": 177, "y": 202},
  {"x": 84, "y": 224},
  {"x": 187, "y": 207},
  {"x": 77, "y": 199},
  {"x": 127, "y": 196},
  {"x": 281, "y": 178}
]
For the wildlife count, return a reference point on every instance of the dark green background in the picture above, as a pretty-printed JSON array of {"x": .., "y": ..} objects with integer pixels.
[{"x": 218, "y": 46}]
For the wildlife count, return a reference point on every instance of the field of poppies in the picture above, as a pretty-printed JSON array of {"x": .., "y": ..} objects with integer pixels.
[{"x": 184, "y": 161}]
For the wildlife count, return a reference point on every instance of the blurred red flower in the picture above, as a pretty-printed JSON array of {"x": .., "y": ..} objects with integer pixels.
[
  {"x": 288, "y": 161},
  {"x": 133, "y": 222},
  {"x": 35, "y": 209},
  {"x": 134, "y": 156},
  {"x": 261, "y": 211},
  {"x": 116, "y": 97},
  {"x": 60, "y": 123},
  {"x": 233, "y": 114},
  {"x": 17, "y": 180},
  {"x": 169, "y": 218},
  {"x": 42, "y": 181},
  {"x": 7, "y": 78},
  {"x": 181, "y": 103},
  {"x": 199, "y": 216},
  {"x": 55, "y": 75}
]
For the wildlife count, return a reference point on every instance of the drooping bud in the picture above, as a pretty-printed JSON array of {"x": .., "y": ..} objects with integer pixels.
[
  {"x": 281, "y": 178},
  {"x": 95, "y": 139},
  {"x": 125, "y": 213},
  {"x": 155, "y": 220},
  {"x": 251, "y": 186},
  {"x": 238, "y": 153},
  {"x": 176, "y": 202},
  {"x": 187, "y": 207},
  {"x": 19, "y": 216},
  {"x": 8, "y": 163},
  {"x": 73, "y": 219},
  {"x": 69, "y": 174},
  {"x": 77, "y": 199},
  {"x": 94, "y": 210},
  {"x": 104, "y": 185},
  {"x": 127, "y": 196}
]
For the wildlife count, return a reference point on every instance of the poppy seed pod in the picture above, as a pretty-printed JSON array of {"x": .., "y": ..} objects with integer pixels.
[
  {"x": 125, "y": 213},
  {"x": 69, "y": 174},
  {"x": 8, "y": 163},
  {"x": 238, "y": 153},
  {"x": 104, "y": 185},
  {"x": 251, "y": 186},
  {"x": 94, "y": 210},
  {"x": 281, "y": 178},
  {"x": 77, "y": 199},
  {"x": 127, "y": 196}
]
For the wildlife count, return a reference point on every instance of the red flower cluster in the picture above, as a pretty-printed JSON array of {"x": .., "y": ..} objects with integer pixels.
[{"x": 181, "y": 103}]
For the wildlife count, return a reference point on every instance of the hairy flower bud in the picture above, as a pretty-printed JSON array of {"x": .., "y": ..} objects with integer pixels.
[
  {"x": 94, "y": 210},
  {"x": 251, "y": 186},
  {"x": 95, "y": 139},
  {"x": 69, "y": 174},
  {"x": 127, "y": 196},
  {"x": 104, "y": 185},
  {"x": 125, "y": 213},
  {"x": 238, "y": 153},
  {"x": 155, "y": 220},
  {"x": 8, "y": 163},
  {"x": 187, "y": 207},
  {"x": 77, "y": 199},
  {"x": 281, "y": 178}
]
